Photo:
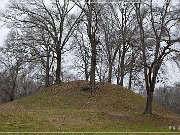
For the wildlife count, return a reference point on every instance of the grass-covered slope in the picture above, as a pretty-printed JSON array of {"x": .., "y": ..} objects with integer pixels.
[{"x": 66, "y": 108}]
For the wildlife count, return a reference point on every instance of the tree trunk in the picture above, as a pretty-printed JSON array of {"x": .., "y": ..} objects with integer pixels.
[
  {"x": 110, "y": 72},
  {"x": 58, "y": 69},
  {"x": 47, "y": 71},
  {"x": 118, "y": 71},
  {"x": 148, "y": 109},
  {"x": 124, "y": 46},
  {"x": 122, "y": 69},
  {"x": 130, "y": 78},
  {"x": 86, "y": 71},
  {"x": 11, "y": 98},
  {"x": 131, "y": 72},
  {"x": 93, "y": 68}
]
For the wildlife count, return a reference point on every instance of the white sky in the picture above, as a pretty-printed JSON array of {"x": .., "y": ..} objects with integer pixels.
[
  {"x": 173, "y": 73},
  {"x": 2, "y": 3},
  {"x": 3, "y": 33},
  {"x": 3, "y": 30}
]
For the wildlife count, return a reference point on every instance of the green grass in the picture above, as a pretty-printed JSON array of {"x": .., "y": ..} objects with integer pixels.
[{"x": 64, "y": 108}]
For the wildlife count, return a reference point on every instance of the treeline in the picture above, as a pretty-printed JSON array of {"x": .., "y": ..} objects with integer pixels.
[
  {"x": 112, "y": 42},
  {"x": 168, "y": 97}
]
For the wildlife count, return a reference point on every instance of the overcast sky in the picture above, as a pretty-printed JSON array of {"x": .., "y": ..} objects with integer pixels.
[
  {"x": 3, "y": 30},
  {"x": 173, "y": 73}
]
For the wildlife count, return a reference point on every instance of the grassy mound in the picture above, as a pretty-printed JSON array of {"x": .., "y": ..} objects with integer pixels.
[{"x": 67, "y": 108}]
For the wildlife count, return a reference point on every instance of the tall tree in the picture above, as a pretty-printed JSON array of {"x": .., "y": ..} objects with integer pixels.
[
  {"x": 82, "y": 51},
  {"x": 11, "y": 67},
  {"x": 109, "y": 40},
  {"x": 156, "y": 43},
  {"x": 125, "y": 25},
  {"x": 91, "y": 10},
  {"x": 55, "y": 18}
]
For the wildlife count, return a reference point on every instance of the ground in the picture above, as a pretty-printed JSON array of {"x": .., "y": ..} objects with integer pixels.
[{"x": 66, "y": 108}]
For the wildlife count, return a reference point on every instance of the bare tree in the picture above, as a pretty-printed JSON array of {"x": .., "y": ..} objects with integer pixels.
[
  {"x": 124, "y": 30},
  {"x": 153, "y": 52},
  {"x": 9, "y": 75},
  {"x": 39, "y": 43},
  {"x": 82, "y": 51},
  {"x": 91, "y": 11},
  {"x": 56, "y": 19},
  {"x": 110, "y": 43}
]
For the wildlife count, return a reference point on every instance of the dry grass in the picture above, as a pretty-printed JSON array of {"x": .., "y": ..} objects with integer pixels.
[{"x": 66, "y": 108}]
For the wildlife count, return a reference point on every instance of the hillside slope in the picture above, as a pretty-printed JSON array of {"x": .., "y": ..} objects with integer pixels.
[{"x": 66, "y": 108}]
